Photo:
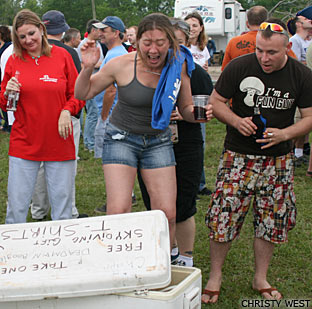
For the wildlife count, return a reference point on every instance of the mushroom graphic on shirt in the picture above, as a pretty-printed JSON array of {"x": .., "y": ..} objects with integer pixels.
[{"x": 251, "y": 85}]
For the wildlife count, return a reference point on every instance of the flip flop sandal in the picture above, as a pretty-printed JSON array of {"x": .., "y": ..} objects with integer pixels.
[
  {"x": 210, "y": 294},
  {"x": 268, "y": 290}
]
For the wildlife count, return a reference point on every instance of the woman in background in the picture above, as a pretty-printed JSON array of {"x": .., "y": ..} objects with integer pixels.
[
  {"x": 198, "y": 40},
  {"x": 197, "y": 44},
  {"x": 5, "y": 42}
]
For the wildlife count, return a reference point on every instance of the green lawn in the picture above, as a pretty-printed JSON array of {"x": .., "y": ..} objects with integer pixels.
[{"x": 291, "y": 269}]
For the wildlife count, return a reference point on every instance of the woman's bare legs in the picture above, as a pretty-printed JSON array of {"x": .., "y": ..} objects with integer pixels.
[
  {"x": 119, "y": 182},
  {"x": 162, "y": 189}
]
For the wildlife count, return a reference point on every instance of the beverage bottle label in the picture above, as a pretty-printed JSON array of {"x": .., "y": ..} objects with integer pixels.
[
  {"x": 260, "y": 122},
  {"x": 13, "y": 97},
  {"x": 174, "y": 131}
]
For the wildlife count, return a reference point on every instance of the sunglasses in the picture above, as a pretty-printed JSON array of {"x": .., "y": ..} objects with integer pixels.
[{"x": 273, "y": 27}]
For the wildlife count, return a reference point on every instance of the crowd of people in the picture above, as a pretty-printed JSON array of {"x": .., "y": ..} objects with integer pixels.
[{"x": 126, "y": 87}]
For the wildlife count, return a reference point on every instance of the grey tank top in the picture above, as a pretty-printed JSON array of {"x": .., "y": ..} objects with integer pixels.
[{"x": 133, "y": 111}]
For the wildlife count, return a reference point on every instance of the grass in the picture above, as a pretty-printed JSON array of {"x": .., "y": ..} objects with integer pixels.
[{"x": 291, "y": 266}]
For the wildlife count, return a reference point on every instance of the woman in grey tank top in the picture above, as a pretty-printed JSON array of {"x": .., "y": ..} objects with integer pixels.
[{"x": 130, "y": 142}]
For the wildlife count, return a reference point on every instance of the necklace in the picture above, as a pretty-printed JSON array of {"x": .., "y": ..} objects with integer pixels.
[
  {"x": 36, "y": 58},
  {"x": 152, "y": 72}
]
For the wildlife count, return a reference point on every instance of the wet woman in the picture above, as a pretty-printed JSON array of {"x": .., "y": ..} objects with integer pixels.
[{"x": 150, "y": 81}]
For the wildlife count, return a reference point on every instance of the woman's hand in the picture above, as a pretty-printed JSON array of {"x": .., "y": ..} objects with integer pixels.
[
  {"x": 205, "y": 66},
  {"x": 175, "y": 115},
  {"x": 90, "y": 53},
  {"x": 65, "y": 124},
  {"x": 12, "y": 86},
  {"x": 209, "y": 112}
]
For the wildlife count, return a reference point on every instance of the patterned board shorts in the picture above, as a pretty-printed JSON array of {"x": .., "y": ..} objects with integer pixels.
[{"x": 268, "y": 182}]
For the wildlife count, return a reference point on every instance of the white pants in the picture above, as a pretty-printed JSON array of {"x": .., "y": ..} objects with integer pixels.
[
  {"x": 60, "y": 178},
  {"x": 40, "y": 202}
]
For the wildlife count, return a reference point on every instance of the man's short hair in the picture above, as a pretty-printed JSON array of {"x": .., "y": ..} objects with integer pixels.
[
  {"x": 121, "y": 34},
  {"x": 90, "y": 24},
  {"x": 135, "y": 28},
  {"x": 256, "y": 15},
  {"x": 70, "y": 34},
  {"x": 267, "y": 33}
]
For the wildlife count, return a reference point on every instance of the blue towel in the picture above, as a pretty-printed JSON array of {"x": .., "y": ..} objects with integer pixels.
[{"x": 168, "y": 87}]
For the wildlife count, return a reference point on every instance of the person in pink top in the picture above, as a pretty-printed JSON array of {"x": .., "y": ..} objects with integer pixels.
[{"x": 42, "y": 130}]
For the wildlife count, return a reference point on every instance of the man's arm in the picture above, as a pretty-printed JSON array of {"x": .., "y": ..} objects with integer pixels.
[
  {"x": 98, "y": 64},
  {"x": 227, "y": 56},
  {"x": 309, "y": 57},
  {"x": 108, "y": 100},
  {"x": 300, "y": 128}
]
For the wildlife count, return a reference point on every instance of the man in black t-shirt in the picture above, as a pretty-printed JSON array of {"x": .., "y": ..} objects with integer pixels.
[{"x": 257, "y": 162}]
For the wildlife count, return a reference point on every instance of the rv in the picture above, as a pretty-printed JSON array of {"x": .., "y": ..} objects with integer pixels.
[{"x": 223, "y": 19}]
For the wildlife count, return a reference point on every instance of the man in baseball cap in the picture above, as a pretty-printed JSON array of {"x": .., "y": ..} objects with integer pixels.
[
  {"x": 306, "y": 12},
  {"x": 113, "y": 22},
  {"x": 55, "y": 22}
]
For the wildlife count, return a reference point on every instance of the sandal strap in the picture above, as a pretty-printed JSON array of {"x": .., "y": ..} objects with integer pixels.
[{"x": 210, "y": 293}]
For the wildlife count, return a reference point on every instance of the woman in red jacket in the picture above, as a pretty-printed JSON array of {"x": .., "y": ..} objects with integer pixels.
[{"x": 42, "y": 130}]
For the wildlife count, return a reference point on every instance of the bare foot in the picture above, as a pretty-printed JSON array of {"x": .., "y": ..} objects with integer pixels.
[
  {"x": 211, "y": 292},
  {"x": 266, "y": 290}
]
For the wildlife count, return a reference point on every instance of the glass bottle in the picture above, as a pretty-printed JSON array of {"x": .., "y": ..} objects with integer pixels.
[
  {"x": 173, "y": 125},
  {"x": 260, "y": 122},
  {"x": 13, "y": 96}
]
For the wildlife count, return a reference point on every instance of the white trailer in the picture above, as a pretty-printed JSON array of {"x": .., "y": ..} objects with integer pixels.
[{"x": 223, "y": 19}]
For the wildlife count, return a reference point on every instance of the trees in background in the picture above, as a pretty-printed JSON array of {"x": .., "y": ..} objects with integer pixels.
[
  {"x": 283, "y": 9},
  {"x": 78, "y": 12}
]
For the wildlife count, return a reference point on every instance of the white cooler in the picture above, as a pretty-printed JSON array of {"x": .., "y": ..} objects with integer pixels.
[{"x": 120, "y": 261}]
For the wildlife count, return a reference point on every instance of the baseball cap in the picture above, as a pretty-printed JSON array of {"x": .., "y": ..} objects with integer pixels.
[
  {"x": 111, "y": 21},
  {"x": 55, "y": 22},
  {"x": 307, "y": 13}
]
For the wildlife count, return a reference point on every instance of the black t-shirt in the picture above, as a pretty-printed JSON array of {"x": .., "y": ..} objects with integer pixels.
[
  {"x": 200, "y": 81},
  {"x": 74, "y": 55},
  {"x": 72, "y": 52},
  {"x": 277, "y": 95},
  {"x": 200, "y": 84}
]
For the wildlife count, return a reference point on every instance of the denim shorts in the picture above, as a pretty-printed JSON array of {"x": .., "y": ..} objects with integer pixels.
[{"x": 137, "y": 150}]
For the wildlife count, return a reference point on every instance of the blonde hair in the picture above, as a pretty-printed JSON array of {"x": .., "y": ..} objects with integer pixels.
[{"x": 27, "y": 17}]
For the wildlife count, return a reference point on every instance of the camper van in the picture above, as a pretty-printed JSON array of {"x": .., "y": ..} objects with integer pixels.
[{"x": 223, "y": 19}]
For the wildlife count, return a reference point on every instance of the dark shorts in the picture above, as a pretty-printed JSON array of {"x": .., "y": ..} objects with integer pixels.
[{"x": 265, "y": 181}]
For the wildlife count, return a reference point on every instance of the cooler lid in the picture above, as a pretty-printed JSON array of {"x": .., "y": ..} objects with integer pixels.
[{"x": 89, "y": 256}]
